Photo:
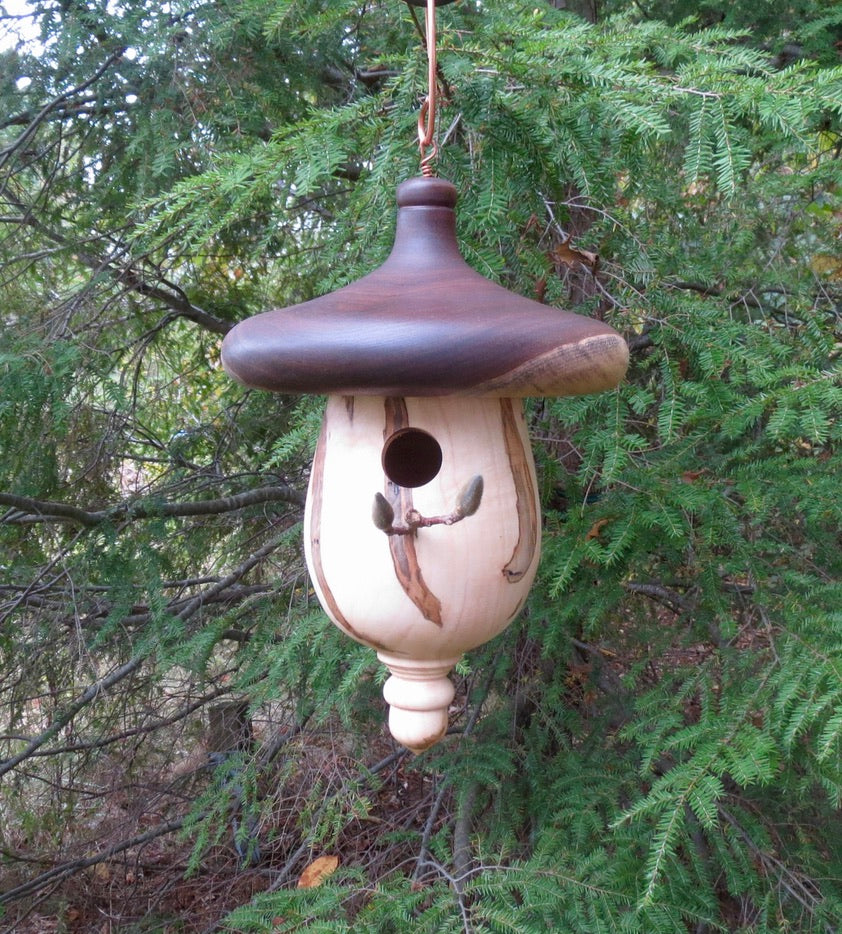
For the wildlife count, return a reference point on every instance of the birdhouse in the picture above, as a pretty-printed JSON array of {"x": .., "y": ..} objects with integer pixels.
[{"x": 422, "y": 522}]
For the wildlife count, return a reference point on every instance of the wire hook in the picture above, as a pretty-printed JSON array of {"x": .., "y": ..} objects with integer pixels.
[{"x": 427, "y": 116}]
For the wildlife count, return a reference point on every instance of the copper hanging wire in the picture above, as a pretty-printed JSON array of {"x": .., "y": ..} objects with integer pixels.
[{"x": 427, "y": 116}]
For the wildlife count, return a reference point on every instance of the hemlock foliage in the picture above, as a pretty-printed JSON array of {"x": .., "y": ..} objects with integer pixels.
[{"x": 656, "y": 745}]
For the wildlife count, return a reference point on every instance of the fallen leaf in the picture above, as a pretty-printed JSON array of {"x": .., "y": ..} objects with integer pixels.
[
  {"x": 318, "y": 871},
  {"x": 595, "y": 529},
  {"x": 569, "y": 255},
  {"x": 827, "y": 265}
]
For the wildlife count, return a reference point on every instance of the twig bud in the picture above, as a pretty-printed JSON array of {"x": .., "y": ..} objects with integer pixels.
[
  {"x": 470, "y": 496},
  {"x": 382, "y": 513}
]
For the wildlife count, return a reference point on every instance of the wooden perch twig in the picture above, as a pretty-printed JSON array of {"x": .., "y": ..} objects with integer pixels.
[{"x": 467, "y": 503}]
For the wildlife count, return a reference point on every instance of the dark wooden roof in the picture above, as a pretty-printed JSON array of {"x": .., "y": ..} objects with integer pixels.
[{"x": 425, "y": 324}]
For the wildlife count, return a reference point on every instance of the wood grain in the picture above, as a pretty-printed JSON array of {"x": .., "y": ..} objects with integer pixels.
[
  {"x": 436, "y": 593},
  {"x": 425, "y": 324},
  {"x": 526, "y": 501},
  {"x": 315, "y": 500},
  {"x": 422, "y": 599},
  {"x": 402, "y": 547}
]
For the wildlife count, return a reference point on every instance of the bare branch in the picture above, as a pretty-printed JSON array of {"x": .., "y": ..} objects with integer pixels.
[
  {"x": 429, "y": 826},
  {"x": 58, "y": 873},
  {"x": 669, "y": 598},
  {"x": 6, "y": 153},
  {"x": 87, "y": 107},
  {"x": 232, "y": 578},
  {"x": 41, "y": 511},
  {"x": 136, "y": 280},
  {"x": 462, "y": 854},
  {"x": 31, "y": 510},
  {"x": 136, "y": 731},
  {"x": 66, "y": 714}
]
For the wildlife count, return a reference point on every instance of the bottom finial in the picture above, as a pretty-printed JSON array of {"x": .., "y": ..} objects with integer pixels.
[{"x": 419, "y": 694}]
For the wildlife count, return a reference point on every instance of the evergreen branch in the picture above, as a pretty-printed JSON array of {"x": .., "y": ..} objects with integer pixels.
[
  {"x": 509, "y": 870},
  {"x": 66, "y": 714},
  {"x": 162, "y": 290},
  {"x": 35, "y": 510},
  {"x": 802, "y": 891},
  {"x": 7, "y": 151}
]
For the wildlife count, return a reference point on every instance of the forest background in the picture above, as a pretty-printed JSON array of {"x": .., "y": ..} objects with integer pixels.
[{"x": 656, "y": 743}]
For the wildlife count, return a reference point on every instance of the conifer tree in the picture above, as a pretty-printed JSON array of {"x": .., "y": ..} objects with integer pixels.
[{"x": 656, "y": 744}]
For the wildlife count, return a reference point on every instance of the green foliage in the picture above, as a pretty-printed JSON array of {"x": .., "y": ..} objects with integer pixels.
[{"x": 655, "y": 745}]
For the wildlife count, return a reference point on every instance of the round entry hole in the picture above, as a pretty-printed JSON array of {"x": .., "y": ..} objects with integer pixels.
[{"x": 411, "y": 457}]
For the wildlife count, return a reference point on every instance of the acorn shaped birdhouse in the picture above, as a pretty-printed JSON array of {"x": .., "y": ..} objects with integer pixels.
[{"x": 422, "y": 523}]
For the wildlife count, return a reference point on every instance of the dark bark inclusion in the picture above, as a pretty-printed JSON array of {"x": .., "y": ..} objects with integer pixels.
[{"x": 402, "y": 547}]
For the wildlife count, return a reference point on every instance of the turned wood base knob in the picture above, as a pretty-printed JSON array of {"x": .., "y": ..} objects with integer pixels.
[{"x": 419, "y": 695}]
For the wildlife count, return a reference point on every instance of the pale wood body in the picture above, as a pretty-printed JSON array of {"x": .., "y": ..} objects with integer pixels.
[{"x": 425, "y": 598}]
